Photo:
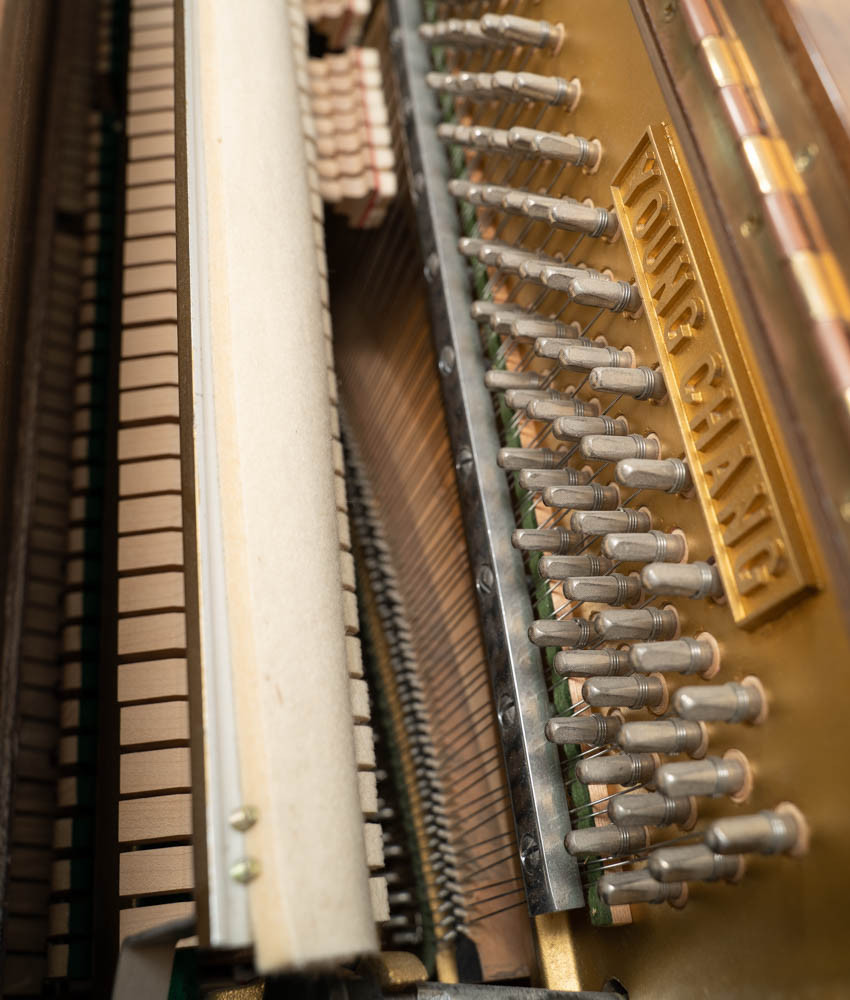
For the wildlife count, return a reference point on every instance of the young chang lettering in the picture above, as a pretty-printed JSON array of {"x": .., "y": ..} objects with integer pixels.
[{"x": 697, "y": 347}]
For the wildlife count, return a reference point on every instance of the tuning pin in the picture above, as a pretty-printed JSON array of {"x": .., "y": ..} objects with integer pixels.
[
  {"x": 572, "y": 149},
  {"x": 575, "y": 428},
  {"x": 563, "y": 213},
  {"x": 593, "y": 496},
  {"x": 515, "y": 260},
  {"x": 478, "y": 86},
  {"x": 668, "y": 474},
  {"x": 468, "y": 190},
  {"x": 771, "y": 831},
  {"x": 637, "y": 623},
  {"x": 526, "y": 328},
  {"x": 601, "y": 522},
  {"x": 533, "y": 87},
  {"x": 557, "y": 540},
  {"x": 625, "y": 769},
  {"x": 631, "y": 691},
  {"x": 694, "y": 580},
  {"x": 591, "y": 662},
  {"x": 471, "y": 246},
  {"x": 640, "y": 383},
  {"x": 542, "y": 269},
  {"x": 550, "y": 347},
  {"x": 575, "y": 632},
  {"x": 454, "y": 32},
  {"x": 607, "y": 448},
  {"x": 519, "y": 399},
  {"x": 578, "y": 217},
  {"x": 638, "y": 808},
  {"x": 500, "y": 381},
  {"x": 732, "y": 702},
  {"x": 517, "y": 459},
  {"x": 482, "y": 310},
  {"x": 613, "y": 589},
  {"x": 578, "y": 358},
  {"x": 606, "y": 841},
  {"x": 535, "y": 480},
  {"x": 666, "y": 736},
  {"x": 694, "y": 863},
  {"x": 617, "y": 888},
  {"x": 679, "y": 656},
  {"x": 650, "y": 546},
  {"x": 592, "y": 730},
  {"x": 564, "y": 567},
  {"x": 522, "y": 30},
  {"x": 549, "y": 410},
  {"x": 728, "y": 775}
]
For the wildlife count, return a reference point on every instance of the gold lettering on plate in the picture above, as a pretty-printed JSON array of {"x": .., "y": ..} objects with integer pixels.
[{"x": 758, "y": 541}]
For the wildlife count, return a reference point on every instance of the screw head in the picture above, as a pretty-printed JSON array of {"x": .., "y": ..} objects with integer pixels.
[
  {"x": 245, "y": 870},
  {"x": 486, "y": 579},
  {"x": 243, "y": 818},
  {"x": 668, "y": 11},
  {"x": 446, "y": 364},
  {"x": 806, "y": 157},
  {"x": 507, "y": 712},
  {"x": 750, "y": 226},
  {"x": 464, "y": 461},
  {"x": 432, "y": 266},
  {"x": 529, "y": 853}
]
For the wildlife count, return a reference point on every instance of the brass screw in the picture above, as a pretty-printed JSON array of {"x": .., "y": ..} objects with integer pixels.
[
  {"x": 750, "y": 226},
  {"x": 669, "y": 10},
  {"x": 243, "y": 818},
  {"x": 245, "y": 870},
  {"x": 806, "y": 157}
]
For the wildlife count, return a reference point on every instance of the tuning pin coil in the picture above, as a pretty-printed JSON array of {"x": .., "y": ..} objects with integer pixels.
[
  {"x": 591, "y": 496},
  {"x": 639, "y": 886},
  {"x": 682, "y": 656},
  {"x": 694, "y": 580},
  {"x": 650, "y": 546},
  {"x": 712, "y": 776},
  {"x": 667, "y": 474},
  {"x": 574, "y": 632},
  {"x": 771, "y": 831},
  {"x": 732, "y": 702},
  {"x": 592, "y": 730},
  {"x": 613, "y": 589},
  {"x": 629, "y": 691},
  {"x": 607, "y": 841},
  {"x": 591, "y": 663},
  {"x": 694, "y": 863},
  {"x": 638, "y": 808},
  {"x": 638, "y": 623},
  {"x": 625, "y": 769},
  {"x": 664, "y": 736}
]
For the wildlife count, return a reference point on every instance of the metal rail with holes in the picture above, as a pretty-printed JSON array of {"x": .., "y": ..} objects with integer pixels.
[{"x": 552, "y": 880}]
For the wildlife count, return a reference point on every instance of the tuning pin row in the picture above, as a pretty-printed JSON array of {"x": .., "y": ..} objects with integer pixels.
[
  {"x": 561, "y": 213},
  {"x": 493, "y": 30},
  {"x": 508, "y": 86},
  {"x": 356, "y": 163},
  {"x": 721, "y": 856},
  {"x": 572, "y": 149}
]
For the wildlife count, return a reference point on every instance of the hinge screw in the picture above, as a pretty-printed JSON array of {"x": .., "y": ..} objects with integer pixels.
[
  {"x": 245, "y": 870},
  {"x": 243, "y": 818}
]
